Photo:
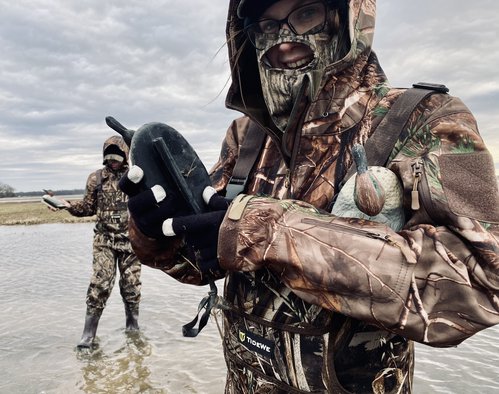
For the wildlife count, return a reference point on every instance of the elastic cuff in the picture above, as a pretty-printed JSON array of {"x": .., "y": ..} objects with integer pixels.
[{"x": 229, "y": 232}]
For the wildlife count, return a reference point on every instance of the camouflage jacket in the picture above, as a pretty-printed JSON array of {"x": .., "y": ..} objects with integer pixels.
[
  {"x": 104, "y": 199},
  {"x": 319, "y": 303}
]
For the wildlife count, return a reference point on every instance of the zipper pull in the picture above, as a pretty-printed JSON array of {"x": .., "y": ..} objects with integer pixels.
[{"x": 417, "y": 170}]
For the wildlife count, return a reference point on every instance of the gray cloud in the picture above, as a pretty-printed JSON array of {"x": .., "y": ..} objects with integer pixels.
[
  {"x": 65, "y": 65},
  {"x": 446, "y": 41}
]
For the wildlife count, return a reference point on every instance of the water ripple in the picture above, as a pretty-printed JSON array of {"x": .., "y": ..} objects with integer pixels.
[{"x": 45, "y": 271}]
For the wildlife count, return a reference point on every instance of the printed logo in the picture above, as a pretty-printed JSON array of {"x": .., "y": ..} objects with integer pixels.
[
  {"x": 242, "y": 336},
  {"x": 256, "y": 343}
]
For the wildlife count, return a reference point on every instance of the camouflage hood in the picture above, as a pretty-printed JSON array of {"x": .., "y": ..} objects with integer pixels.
[
  {"x": 119, "y": 142},
  {"x": 344, "y": 83}
]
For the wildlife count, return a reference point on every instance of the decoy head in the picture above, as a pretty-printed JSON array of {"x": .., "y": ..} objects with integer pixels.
[
  {"x": 127, "y": 134},
  {"x": 360, "y": 158},
  {"x": 369, "y": 194}
]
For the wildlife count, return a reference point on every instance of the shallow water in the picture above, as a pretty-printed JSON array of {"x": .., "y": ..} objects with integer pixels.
[{"x": 44, "y": 272}]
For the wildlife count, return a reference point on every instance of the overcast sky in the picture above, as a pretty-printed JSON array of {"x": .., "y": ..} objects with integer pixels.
[{"x": 65, "y": 65}]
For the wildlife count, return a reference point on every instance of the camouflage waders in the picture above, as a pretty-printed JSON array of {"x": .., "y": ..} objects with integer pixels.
[
  {"x": 111, "y": 247},
  {"x": 108, "y": 256}
]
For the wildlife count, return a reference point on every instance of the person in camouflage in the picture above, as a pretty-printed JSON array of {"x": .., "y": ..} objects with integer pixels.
[
  {"x": 314, "y": 302},
  {"x": 111, "y": 246}
]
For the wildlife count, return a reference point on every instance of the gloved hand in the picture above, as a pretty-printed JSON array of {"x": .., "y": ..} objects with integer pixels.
[{"x": 158, "y": 215}]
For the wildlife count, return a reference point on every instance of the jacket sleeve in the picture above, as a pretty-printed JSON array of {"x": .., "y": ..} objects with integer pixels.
[
  {"x": 168, "y": 254},
  {"x": 88, "y": 205},
  {"x": 435, "y": 282}
]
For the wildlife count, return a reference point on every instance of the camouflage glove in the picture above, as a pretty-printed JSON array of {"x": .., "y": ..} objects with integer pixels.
[{"x": 158, "y": 215}]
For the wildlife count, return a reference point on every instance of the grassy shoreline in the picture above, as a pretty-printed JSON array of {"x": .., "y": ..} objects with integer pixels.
[{"x": 34, "y": 212}]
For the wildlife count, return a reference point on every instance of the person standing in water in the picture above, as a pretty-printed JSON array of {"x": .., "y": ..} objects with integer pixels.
[{"x": 112, "y": 251}]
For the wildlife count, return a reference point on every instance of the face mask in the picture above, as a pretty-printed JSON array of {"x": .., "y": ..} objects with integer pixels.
[{"x": 280, "y": 86}]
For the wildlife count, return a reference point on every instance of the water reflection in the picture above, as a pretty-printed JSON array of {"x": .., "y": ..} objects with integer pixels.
[
  {"x": 123, "y": 370},
  {"x": 45, "y": 271}
]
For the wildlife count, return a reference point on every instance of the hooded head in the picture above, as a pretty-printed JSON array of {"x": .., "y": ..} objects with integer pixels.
[
  {"x": 268, "y": 86},
  {"x": 115, "y": 149}
]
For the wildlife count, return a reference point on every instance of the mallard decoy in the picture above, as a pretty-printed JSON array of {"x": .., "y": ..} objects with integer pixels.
[{"x": 374, "y": 193}]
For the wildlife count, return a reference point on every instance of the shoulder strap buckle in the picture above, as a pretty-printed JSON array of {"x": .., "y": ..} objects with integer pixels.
[{"x": 235, "y": 186}]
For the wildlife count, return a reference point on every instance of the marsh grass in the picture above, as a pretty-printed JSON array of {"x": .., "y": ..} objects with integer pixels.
[{"x": 26, "y": 213}]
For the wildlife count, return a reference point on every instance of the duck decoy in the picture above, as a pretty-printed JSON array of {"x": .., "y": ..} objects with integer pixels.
[{"x": 374, "y": 193}]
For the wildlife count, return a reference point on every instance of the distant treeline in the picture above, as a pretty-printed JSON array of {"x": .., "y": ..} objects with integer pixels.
[
  {"x": 9, "y": 191},
  {"x": 62, "y": 192}
]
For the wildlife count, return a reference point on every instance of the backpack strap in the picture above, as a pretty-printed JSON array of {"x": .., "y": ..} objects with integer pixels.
[
  {"x": 98, "y": 184},
  {"x": 248, "y": 153},
  {"x": 380, "y": 144}
]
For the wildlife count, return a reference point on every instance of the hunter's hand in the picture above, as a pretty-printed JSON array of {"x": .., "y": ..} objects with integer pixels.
[
  {"x": 201, "y": 230},
  {"x": 159, "y": 214},
  {"x": 148, "y": 208}
]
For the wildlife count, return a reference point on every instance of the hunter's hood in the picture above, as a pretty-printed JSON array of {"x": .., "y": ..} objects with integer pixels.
[
  {"x": 117, "y": 142},
  {"x": 245, "y": 93}
]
